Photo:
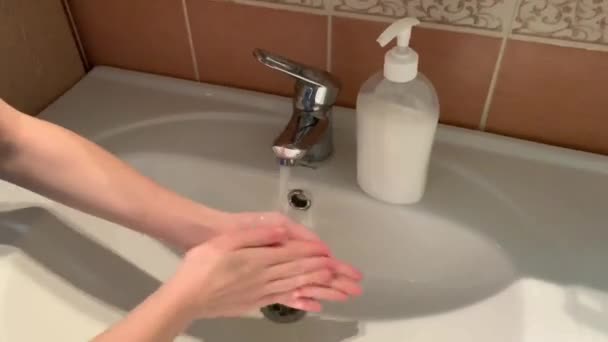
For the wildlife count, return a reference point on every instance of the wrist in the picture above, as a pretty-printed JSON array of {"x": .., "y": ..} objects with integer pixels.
[
  {"x": 183, "y": 223},
  {"x": 190, "y": 299},
  {"x": 179, "y": 301},
  {"x": 199, "y": 224}
]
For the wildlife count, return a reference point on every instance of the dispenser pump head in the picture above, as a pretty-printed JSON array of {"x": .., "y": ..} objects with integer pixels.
[{"x": 400, "y": 62}]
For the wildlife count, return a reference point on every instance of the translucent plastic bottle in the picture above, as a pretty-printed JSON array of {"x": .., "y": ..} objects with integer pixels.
[{"x": 397, "y": 115}]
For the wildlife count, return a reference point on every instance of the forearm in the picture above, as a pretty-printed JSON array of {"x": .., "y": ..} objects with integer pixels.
[
  {"x": 63, "y": 166},
  {"x": 160, "y": 318}
]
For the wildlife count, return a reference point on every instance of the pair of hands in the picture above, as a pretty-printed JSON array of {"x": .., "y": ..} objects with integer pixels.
[{"x": 261, "y": 259}]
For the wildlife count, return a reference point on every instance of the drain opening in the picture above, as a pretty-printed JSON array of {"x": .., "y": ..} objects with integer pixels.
[
  {"x": 279, "y": 313},
  {"x": 299, "y": 200}
]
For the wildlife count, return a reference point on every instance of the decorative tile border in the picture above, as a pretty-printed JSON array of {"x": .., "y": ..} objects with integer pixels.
[
  {"x": 571, "y": 20},
  {"x": 314, "y": 4},
  {"x": 481, "y": 14}
]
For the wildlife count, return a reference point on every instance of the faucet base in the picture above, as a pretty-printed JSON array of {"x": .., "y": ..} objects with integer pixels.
[{"x": 287, "y": 162}]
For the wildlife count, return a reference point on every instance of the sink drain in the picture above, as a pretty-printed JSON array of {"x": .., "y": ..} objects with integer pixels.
[
  {"x": 279, "y": 313},
  {"x": 298, "y": 199}
]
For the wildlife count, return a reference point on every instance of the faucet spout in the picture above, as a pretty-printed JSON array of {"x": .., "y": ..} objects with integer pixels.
[{"x": 307, "y": 135}]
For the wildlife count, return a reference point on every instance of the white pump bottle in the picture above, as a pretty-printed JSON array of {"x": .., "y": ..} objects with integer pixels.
[{"x": 397, "y": 115}]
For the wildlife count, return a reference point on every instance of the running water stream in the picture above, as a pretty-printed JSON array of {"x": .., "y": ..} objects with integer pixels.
[{"x": 280, "y": 313}]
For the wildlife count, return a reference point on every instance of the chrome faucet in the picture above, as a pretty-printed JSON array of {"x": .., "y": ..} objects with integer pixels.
[{"x": 308, "y": 134}]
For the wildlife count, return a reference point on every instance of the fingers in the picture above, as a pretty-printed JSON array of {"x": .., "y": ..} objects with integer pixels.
[
  {"x": 258, "y": 237},
  {"x": 291, "y": 250},
  {"x": 268, "y": 219},
  {"x": 322, "y": 277},
  {"x": 320, "y": 293},
  {"x": 338, "y": 285},
  {"x": 297, "y": 231},
  {"x": 346, "y": 270},
  {"x": 346, "y": 285},
  {"x": 305, "y": 304},
  {"x": 301, "y": 266},
  {"x": 310, "y": 250},
  {"x": 264, "y": 219},
  {"x": 275, "y": 219}
]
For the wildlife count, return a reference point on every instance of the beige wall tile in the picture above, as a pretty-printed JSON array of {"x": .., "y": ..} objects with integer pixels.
[
  {"x": 552, "y": 94},
  {"x": 460, "y": 65},
  {"x": 38, "y": 59},
  {"x": 571, "y": 20},
  {"x": 149, "y": 36},
  {"x": 224, "y": 51},
  {"x": 484, "y": 14}
]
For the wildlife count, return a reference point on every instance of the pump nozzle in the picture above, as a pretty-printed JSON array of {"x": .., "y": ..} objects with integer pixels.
[
  {"x": 401, "y": 62},
  {"x": 402, "y": 29}
]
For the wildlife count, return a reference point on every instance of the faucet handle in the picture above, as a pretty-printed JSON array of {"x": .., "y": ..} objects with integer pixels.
[{"x": 314, "y": 87}]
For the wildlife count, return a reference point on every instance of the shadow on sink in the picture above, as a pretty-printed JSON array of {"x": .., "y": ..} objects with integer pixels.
[
  {"x": 250, "y": 329},
  {"x": 74, "y": 257},
  {"x": 107, "y": 277}
]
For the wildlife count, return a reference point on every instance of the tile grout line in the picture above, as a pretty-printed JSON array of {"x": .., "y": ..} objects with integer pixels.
[
  {"x": 79, "y": 46},
  {"x": 197, "y": 74},
  {"x": 281, "y": 6},
  {"x": 483, "y": 121},
  {"x": 329, "y": 54},
  {"x": 328, "y": 8},
  {"x": 559, "y": 42}
]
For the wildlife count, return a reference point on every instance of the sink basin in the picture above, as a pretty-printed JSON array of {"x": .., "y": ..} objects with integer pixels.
[
  {"x": 508, "y": 244},
  {"x": 417, "y": 261}
]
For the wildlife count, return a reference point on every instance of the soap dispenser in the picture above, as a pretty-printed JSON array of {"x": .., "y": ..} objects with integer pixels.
[{"x": 397, "y": 116}]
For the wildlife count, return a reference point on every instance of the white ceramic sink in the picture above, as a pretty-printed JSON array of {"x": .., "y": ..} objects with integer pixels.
[{"x": 509, "y": 244}]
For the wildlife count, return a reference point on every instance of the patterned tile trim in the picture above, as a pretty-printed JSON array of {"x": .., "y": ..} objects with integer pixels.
[
  {"x": 572, "y": 20},
  {"x": 482, "y": 14},
  {"x": 314, "y": 4}
]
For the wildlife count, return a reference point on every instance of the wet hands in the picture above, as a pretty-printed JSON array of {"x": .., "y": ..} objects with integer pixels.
[
  {"x": 245, "y": 269},
  {"x": 346, "y": 277}
]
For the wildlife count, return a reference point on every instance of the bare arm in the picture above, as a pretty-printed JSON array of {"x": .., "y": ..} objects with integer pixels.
[
  {"x": 69, "y": 169},
  {"x": 160, "y": 318},
  {"x": 65, "y": 167}
]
